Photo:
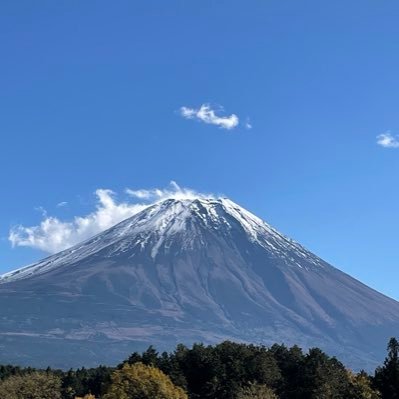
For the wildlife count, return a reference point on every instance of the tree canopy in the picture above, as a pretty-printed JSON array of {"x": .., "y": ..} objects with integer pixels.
[{"x": 228, "y": 370}]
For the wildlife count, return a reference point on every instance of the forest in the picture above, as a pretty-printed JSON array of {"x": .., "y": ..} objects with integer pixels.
[{"x": 225, "y": 371}]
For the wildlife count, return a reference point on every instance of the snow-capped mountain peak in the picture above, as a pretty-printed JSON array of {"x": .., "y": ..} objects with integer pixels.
[{"x": 178, "y": 220}]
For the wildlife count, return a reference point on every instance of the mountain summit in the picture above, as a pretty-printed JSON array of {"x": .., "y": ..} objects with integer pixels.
[{"x": 184, "y": 271}]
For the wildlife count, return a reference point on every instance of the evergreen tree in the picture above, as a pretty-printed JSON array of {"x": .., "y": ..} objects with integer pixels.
[
  {"x": 291, "y": 363},
  {"x": 150, "y": 357},
  {"x": 170, "y": 365},
  {"x": 386, "y": 377},
  {"x": 322, "y": 377},
  {"x": 218, "y": 372},
  {"x": 82, "y": 381}
]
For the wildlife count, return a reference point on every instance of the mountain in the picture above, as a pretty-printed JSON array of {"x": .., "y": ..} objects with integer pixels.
[{"x": 187, "y": 271}]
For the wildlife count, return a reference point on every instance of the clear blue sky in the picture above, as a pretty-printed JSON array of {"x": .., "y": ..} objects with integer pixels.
[{"x": 90, "y": 93}]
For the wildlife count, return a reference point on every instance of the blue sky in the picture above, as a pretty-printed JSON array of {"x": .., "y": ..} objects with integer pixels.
[{"x": 91, "y": 97}]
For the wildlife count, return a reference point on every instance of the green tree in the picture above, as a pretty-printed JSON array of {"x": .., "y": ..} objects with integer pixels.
[
  {"x": 170, "y": 365},
  {"x": 386, "y": 378},
  {"x": 76, "y": 383},
  {"x": 256, "y": 391},
  {"x": 218, "y": 372},
  {"x": 139, "y": 381},
  {"x": 291, "y": 362},
  {"x": 36, "y": 385},
  {"x": 322, "y": 377}
]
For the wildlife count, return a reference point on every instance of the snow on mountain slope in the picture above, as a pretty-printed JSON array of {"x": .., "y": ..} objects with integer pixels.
[
  {"x": 185, "y": 270},
  {"x": 162, "y": 221}
]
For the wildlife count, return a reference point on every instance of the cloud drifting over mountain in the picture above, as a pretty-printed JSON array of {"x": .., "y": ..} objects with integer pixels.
[
  {"x": 53, "y": 234},
  {"x": 173, "y": 191}
]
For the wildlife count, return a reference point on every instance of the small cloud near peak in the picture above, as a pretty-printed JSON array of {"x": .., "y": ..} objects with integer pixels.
[{"x": 172, "y": 191}]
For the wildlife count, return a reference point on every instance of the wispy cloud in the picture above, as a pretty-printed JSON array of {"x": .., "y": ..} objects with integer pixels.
[
  {"x": 388, "y": 140},
  {"x": 208, "y": 115},
  {"x": 172, "y": 191},
  {"x": 52, "y": 234}
]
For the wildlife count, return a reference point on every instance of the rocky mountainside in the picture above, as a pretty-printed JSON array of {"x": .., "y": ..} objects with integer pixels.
[{"x": 185, "y": 271}]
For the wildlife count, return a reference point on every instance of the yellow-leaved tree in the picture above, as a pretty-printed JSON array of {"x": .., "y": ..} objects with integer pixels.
[
  {"x": 35, "y": 385},
  {"x": 144, "y": 382},
  {"x": 360, "y": 386}
]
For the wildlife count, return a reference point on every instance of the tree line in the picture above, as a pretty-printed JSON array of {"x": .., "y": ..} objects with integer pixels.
[{"x": 228, "y": 370}]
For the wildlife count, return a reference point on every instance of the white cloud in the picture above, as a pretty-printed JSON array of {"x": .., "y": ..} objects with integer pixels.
[
  {"x": 173, "y": 191},
  {"x": 53, "y": 235},
  {"x": 62, "y": 204},
  {"x": 387, "y": 140},
  {"x": 207, "y": 115}
]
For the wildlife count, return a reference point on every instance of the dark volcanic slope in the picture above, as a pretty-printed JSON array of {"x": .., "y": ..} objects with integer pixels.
[{"x": 185, "y": 271}]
